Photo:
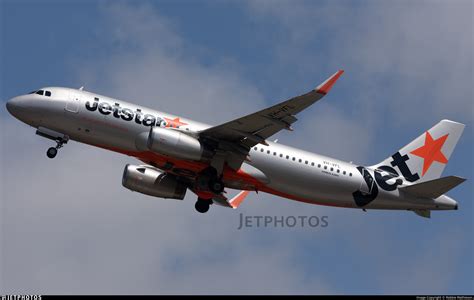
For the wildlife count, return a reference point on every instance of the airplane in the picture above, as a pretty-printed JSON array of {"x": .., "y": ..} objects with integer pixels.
[{"x": 180, "y": 154}]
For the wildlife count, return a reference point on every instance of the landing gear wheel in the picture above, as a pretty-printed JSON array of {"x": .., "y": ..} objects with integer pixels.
[
  {"x": 51, "y": 153},
  {"x": 216, "y": 186},
  {"x": 202, "y": 205}
]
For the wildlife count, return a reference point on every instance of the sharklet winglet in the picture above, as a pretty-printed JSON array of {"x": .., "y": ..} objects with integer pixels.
[
  {"x": 238, "y": 199},
  {"x": 326, "y": 86}
]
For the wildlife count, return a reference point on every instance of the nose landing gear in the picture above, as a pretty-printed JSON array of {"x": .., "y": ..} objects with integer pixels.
[
  {"x": 53, "y": 151},
  {"x": 60, "y": 139}
]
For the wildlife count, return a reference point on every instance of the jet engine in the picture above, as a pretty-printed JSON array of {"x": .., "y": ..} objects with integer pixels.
[
  {"x": 174, "y": 143},
  {"x": 149, "y": 181}
]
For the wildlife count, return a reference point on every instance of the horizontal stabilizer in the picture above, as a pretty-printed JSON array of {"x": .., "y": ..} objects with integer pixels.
[
  {"x": 434, "y": 188},
  {"x": 425, "y": 213}
]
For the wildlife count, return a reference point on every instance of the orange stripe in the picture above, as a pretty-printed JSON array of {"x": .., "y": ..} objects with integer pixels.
[{"x": 228, "y": 174}]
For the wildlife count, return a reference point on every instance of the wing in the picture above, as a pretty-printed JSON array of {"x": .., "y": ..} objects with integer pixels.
[{"x": 239, "y": 135}]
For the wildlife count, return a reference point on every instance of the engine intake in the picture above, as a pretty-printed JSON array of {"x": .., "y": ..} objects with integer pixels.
[
  {"x": 174, "y": 143},
  {"x": 152, "y": 182}
]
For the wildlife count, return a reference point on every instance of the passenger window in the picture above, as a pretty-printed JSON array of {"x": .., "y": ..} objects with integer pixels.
[
  {"x": 312, "y": 164},
  {"x": 350, "y": 174},
  {"x": 261, "y": 150},
  {"x": 281, "y": 155},
  {"x": 40, "y": 92},
  {"x": 274, "y": 153},
  {"x": 306, "y": 162},
  {"x": 344, "y": 173},
  {"x": 319, "y": 165},
  {"x": 287, "y": 157},
  {"x": 294, "y": 158},
  {"x": 325, "y": 167},
  {"x": 47, "y": 93},
  {"x": 255, "y": 148},
  {"x": 299, "y": 160},
  {"x": 332, "y": 169},
  {"x": 337, "y": 170}
]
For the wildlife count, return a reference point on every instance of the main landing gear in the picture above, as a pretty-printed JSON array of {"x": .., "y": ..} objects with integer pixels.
[
  {"x": 202, "y": 205},
  {"x": 216, "y": 186},
  {"x": 208, "y": 184}
]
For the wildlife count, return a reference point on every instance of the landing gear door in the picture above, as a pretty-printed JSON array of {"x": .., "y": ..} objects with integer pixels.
[{"x": 72, "y": 105}]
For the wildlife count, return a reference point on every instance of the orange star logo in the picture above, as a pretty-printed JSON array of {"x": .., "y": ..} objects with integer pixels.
[
  {"x": 175, "y": 123},
  {"x": 431, "y": 151}
]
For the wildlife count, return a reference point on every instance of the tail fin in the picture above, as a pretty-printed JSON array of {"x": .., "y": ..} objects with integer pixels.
[{"x": 426, "y": 157}]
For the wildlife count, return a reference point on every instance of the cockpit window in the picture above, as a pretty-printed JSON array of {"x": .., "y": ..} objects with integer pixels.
[{"x": 41, "y": 92}]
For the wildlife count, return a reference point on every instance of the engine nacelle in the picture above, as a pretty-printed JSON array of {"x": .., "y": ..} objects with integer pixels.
[
  {"x": 174, "y": 143},
  {"x": 152, "y": 182}
]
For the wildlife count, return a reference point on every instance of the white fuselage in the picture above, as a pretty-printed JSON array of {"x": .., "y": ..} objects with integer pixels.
[{"x": 278, "y": 169}]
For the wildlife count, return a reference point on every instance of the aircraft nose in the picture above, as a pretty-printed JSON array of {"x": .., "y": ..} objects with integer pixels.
[
  {"x": 12, "y": 105},
  {"x": 17, "y": 107},
  {"x": 26, "y": 109}
]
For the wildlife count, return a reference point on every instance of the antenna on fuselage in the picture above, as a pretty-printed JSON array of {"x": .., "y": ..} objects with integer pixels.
[{"x": 81, "y": 88}]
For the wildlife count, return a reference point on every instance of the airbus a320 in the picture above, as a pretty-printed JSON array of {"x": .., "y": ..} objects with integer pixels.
[{"x": 180, "y": 154}]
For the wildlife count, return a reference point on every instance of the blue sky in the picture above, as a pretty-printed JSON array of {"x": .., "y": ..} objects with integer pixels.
[{"x": 408, "y": 65}]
